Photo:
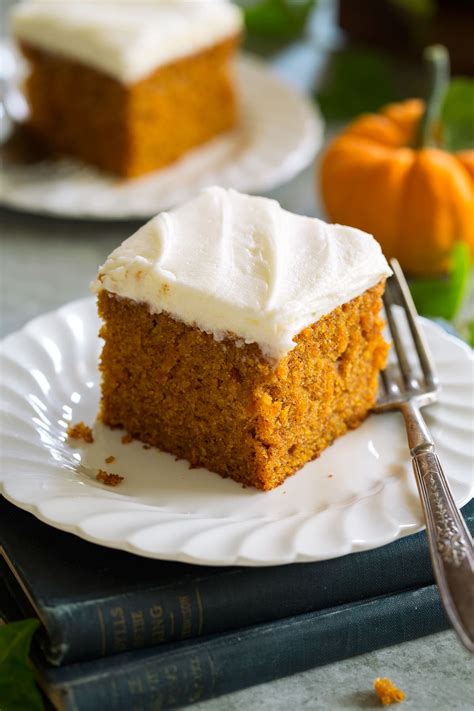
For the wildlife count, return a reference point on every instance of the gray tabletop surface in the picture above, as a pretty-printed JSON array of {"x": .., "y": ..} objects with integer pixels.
[{"x": 48, "y": 262}]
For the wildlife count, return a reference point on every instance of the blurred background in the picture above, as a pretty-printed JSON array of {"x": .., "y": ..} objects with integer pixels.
[{"x": 372, "y": 49}]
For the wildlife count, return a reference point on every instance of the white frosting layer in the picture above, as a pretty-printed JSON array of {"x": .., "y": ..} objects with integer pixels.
[
  {"x": 126, "y": 39},
  {"x": 228, "y": 262}
]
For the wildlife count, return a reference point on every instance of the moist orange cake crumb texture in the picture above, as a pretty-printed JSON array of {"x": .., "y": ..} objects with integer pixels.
[
  {"x": 80, "y": 431},
  {"x": 223, "y": 405},
  {"x": 107, "y": 478},
  {"x": 131, "y": 129},
  {"x": 387, "y": 692}
]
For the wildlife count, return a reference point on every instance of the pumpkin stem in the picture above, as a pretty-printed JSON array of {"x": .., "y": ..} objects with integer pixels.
[{"x": 437, "y": 59}]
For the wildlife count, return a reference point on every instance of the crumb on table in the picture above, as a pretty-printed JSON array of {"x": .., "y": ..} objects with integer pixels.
[
  {"x": 107, "y": 478},
  {"x": 80, "y": 431},
  {"x": 110, "y": 459},
  {"x": 387, "y": 692},
  {"x": 127, "y": 438}
]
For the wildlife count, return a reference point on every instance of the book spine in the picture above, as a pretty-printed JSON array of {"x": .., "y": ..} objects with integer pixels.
[
  {"x": 181, "y": 674},
  {"x": 229, "y": 599},
  {"x": 100, "y": 628},
  {"x": 213, "y": 601}
]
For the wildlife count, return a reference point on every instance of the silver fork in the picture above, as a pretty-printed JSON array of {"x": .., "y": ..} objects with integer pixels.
[{"x": 450, "y": 543}]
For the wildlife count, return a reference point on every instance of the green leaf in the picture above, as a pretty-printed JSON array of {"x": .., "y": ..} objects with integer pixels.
[
  {"x": 359, "y": 80},
  {"x": 443, "y": 297},
  {"x": 457, "y": 115},
  {"x": 18, "y": 690},
  {"x": 278, "y": 19},
  {"x": 471, "y": 333}
]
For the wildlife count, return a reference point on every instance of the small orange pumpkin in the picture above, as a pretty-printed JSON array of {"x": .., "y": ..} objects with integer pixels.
[{"x": 416, "y": 201}]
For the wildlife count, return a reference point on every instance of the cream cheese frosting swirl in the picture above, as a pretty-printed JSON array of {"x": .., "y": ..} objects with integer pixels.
[{"x": 235, "y": 264}]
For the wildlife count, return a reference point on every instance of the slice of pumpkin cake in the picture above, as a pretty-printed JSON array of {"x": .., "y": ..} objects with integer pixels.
[
  {"x": 240, "y": 336},
  {"x": 128, "y": 86}
]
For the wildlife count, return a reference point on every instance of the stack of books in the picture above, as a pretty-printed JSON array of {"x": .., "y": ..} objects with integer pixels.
[{"x": 129, "y": 632}]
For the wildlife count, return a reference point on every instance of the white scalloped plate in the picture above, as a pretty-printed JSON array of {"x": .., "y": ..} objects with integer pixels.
[
  {"x": 278, "y": 135},
  {"x": 359, "y": 494}
]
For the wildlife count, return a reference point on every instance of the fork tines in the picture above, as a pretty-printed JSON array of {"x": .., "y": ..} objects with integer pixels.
[{"x": 398, "y": 294}]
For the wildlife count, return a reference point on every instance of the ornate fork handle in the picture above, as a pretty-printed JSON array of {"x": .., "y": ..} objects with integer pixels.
[{"x": 450, "y": 543}]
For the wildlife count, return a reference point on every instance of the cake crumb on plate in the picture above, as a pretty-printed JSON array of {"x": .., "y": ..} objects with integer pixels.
[
  {"x": 110, "y": 459},
  {"x": 80, "y": 431},
  {"x": 107, "y": 478},
  {"x": 127, "y": 438},
  {"x": 387, "y": 692}
]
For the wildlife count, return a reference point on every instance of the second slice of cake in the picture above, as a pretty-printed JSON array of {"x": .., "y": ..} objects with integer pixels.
[
  {"x": 128, "y": 85},
  {"x": 241, "y": 337}
]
